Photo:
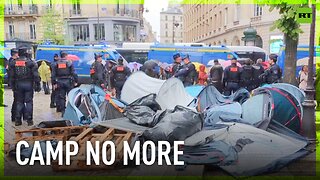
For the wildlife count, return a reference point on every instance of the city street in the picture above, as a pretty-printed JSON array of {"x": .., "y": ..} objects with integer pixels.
[{"x": 42, "y": 112}]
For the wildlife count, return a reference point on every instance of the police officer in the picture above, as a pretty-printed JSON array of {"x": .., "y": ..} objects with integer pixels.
[
  {"x": 14, "y": 56},
  {"x": 98, "y": 72},
  {"x": 246, "y": 76},
  {"x": 188, "y": 73},
  {"x": 231, "y": 77},
  {"x": 24, "y": 78},
  {"x": 54, "y": 91},
  {"x": 176, "y": 64},
  {"x": 119, "y": 75},
  {"x": 273, "y": 73},
  {"x": 215, "y": 77},
  {"x": 258, "y": 70},
  {"x": 64, "y": 79},
  {"x": 110, "y": 65}
]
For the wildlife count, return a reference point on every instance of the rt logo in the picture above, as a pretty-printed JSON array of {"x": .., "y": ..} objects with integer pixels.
[{"x": 304, "y": 15}]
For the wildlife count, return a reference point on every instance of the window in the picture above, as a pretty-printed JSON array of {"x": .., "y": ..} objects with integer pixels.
[
  {"x": 173, "y": 18},
  {"x": 226, "y": 16},
  {"x": 166, "y": 25},
  {"x": 181, "y": 18},
  {"x": 9, "y": 6},
  {"x": 220, "y": 18},
  {"x": 237, "y": 13},
  {"x": 11, "y": 30},
  {"x": 124, "y": 32},
  {"x": 76, "y": 7},
  {"x": 80, "y": 32},
  {"x": 166, "y": 33},
  {"x": 215, "y": 21},
  {"x": 181, "y": 34},
  {"x": 99, "y": 33},
  {"x": 32, "y": 27},
  {"x": 20, "y": 4},
  {"x": 49, "y": 4},
  {"x": 118, "y": 7},
  {"x": 166, "y": 17},
  {"x": 257, "y": 10}
]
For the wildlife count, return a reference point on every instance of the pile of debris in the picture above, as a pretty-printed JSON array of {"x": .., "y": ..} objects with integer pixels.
[{"x": 244, "y": 134}]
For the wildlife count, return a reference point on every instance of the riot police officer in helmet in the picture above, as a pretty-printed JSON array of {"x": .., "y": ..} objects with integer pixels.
[
  {"x": 119, "y": 75},
  {"x": 231, "y": 77},
  {"x": 64, "y": 79},
  {"x": 24, "y": 80},
  {"x": 98, "y": 72}
]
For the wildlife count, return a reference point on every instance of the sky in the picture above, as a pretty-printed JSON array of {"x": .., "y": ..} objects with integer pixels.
[{"x": 153, "y": 16}]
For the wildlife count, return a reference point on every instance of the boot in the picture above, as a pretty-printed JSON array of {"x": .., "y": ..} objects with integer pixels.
[
  {"x": 30, "y": 123},
  {"x": 17, "y": 123},
  {"x": 53, "y": 106}
]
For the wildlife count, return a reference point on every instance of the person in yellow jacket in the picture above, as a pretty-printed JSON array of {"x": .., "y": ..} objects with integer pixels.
[{"x": 45, "y": 74}]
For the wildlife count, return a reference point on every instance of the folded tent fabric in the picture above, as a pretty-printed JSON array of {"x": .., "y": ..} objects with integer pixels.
[{"x": 211, "y": 96}]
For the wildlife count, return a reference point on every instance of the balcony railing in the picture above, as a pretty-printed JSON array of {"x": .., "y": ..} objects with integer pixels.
[
  {"x": 256, "y": 18},
  {"x": 75, "y": 12},
  {"x": 32, "y": 10},
  {"x": 126, "y": 12},
  {"x": 22, "y": 36}
]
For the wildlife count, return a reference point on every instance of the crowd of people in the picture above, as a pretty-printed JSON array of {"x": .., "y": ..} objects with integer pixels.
[
  {"x": 250, "y": 75},
  {"x": 25, "y": 77}
]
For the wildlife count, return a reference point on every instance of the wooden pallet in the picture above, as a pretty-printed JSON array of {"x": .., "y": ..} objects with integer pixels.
[
  {"x": 78, "y": 162},
  {"x": 47, "y": 134}
]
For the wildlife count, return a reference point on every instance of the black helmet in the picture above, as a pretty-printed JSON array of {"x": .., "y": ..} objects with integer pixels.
[
  {"x": 274, "y": 57},
  {"x": 63, "y": 54},
  {"x": 176, "y": 55},
  {"x": 13, "y": 51},
  {"x": 97, "y": 55},
  {"x": 24, "y": 51}
]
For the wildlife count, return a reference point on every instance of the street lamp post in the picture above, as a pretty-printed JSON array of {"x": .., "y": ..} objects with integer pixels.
[
  {"x": 174, "y": 24},
  {"x": 308, "y": 123}
]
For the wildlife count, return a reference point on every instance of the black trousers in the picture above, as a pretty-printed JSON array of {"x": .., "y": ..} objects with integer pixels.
[
  {"x": 23, "y": 99},
  {"x": 45, "y": 86},
  {"x": 64, "y": 86},
  {"x": 231, "y": 88},
  {"x": 53, "y": 97}
]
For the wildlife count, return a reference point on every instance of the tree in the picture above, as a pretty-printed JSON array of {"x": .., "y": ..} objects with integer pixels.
[
  {"x": 52, "y": 26},
  {"x": 291, "y": 28}
]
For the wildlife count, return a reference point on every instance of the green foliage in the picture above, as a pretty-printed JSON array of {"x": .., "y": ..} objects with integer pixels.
[
  {"x": 288, "y": 21},
  {"x": 52, "y": 26}
]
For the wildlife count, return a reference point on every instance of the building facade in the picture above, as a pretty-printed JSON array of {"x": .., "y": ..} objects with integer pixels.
[
  {"x": 224, "y": 24},
  {"x": 83, "y": 23},
  {"x": 171, "y": 25},
  {"x": 146, "y": 33}
]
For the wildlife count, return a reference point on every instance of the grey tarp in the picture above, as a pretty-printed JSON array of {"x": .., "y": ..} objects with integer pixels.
[
  {"x": 175, "y": 125},
  {"x": 266, "y": 148},
  {"x": 211, "y": 96}
]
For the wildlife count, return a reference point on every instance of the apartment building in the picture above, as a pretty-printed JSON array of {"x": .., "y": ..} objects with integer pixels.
[{"x": 171, "y": 25}]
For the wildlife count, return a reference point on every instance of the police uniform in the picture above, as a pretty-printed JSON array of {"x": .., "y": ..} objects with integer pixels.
[
  {"x": 231, "y": 79},
  {"x": 64, "y": 77},
  {"x": 216, "y": 73},
  {"x": 176, "y": 65},
  {"x": 119, "y": 75},
  {"x": 273, "y": 74},
  {"x": 14, "y": 103},
  {"x": 246, "y": 77},
  {"x": 24, "y": 78},
  {"x": 187, "y": 74},
  {"x": 98, "y": 73},
  {"x": 258, "y": 70}
]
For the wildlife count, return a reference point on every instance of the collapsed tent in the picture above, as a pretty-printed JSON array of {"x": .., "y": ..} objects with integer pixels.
[
  {"x": 85, "y": 105},
  {"x": 286, "y": 104},
  {"x": 211, "y": 96},
  {"x": 139, "y": 85},
  {"x": 257, "y": 151},
  {"x": 170, "y": 93}
]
